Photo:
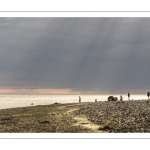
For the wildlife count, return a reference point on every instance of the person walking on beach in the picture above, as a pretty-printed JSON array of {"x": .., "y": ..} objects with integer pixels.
[
  {"x": 128, "y": 96},
  {"x": 121, "y": 98},
  {"x": 79, "y": 99},
  {"x": 148, "y": 94}
]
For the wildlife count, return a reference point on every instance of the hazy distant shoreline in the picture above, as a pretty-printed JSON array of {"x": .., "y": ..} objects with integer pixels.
[
  {"x": 15, "y": 101},
  {"x": 126, "y": 116}
]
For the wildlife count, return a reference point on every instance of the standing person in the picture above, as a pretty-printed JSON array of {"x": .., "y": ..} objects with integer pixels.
[
  {"x": 121, "y": 98},
  {"x": 148, "y": 94},
  {"x": 128, "y": 96},
  {"x": 79, "y": 99}
]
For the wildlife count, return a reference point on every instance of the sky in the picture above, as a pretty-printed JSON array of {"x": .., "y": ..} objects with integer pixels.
[{"x": 74, "y": 55}]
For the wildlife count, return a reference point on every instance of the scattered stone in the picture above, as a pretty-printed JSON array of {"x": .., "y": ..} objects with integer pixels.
[
  {"x": 105, "y": 127},
  {"x": 56, "y": 103},
  {"x": 44, "y": 122}
]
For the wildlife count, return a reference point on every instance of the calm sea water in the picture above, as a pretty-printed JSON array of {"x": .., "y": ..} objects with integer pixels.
[{"x": 13, "y": 101}]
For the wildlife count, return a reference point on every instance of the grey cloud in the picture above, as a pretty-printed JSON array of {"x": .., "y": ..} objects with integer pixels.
[{"x": 108, "y": 54}]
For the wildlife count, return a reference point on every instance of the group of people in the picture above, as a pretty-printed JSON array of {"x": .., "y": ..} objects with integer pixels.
[{"x": 121, "y": 97}]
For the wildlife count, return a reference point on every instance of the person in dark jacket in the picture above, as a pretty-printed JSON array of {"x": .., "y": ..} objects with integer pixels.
[
  {"x": 121, "y": 98},
  {"x": 79, "y": 99},
  {"x": 128, "y": 96},
  {"x": 148, "y": 94}
]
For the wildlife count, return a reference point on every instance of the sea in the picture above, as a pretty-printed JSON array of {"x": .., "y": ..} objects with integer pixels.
[{"x": 14, "y": 101}]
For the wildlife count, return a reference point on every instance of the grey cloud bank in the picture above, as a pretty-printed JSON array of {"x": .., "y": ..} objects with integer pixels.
[{"x": 109, "y": 55}]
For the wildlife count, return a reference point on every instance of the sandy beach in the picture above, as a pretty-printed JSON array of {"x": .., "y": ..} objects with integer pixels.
[{"x": 87, "y": 117}]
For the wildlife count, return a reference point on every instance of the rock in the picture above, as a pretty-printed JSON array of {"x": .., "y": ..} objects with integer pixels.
[{"x": 44, "y": 122}]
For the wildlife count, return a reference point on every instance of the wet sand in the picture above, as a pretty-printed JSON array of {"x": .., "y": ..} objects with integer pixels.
[{"x": 94, "y": 117}]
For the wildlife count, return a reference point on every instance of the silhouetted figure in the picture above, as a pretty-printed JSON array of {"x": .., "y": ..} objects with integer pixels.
[
  {"x": 79, "y": 99},
  {"x": 148, "y": 94},
  {"x": 121, "y": 98},
  {"x": 115, "y": 99},
  {"x": 111, "y": 98},
  {"x": 128, "y": 96},
  {"x": 95, "y": 100}
]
